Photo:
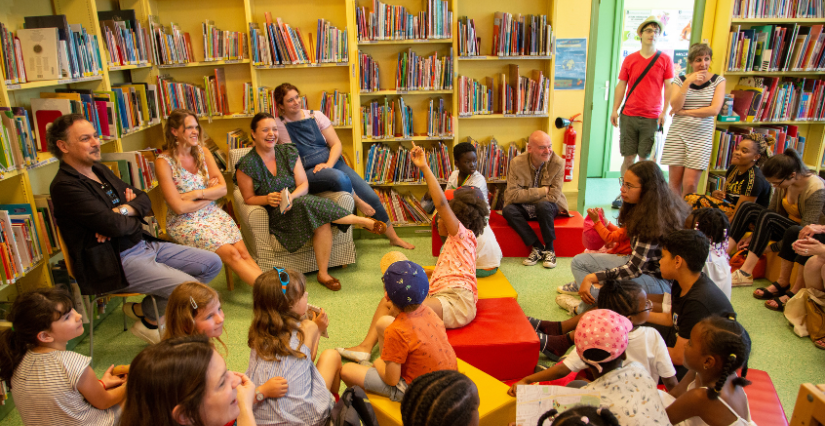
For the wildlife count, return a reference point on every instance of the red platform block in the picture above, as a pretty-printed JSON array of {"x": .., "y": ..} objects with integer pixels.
[
  {"x": 568, "y": 236},
  {"x": 766, "y": 409},
  {"x": 499, "y": 341}
]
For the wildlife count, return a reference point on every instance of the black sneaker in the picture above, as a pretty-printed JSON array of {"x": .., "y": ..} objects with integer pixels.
[
  {"x": 535, "y": 256},
  {"x": 617, "y": 203},
  {"x": 549, "y": 259}
]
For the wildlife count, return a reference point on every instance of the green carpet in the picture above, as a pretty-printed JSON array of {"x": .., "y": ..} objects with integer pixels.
[{"x": 790, "y": 360}]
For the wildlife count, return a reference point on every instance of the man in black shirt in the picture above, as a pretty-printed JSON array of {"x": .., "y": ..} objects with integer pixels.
[{"x": 100, "y": 218}]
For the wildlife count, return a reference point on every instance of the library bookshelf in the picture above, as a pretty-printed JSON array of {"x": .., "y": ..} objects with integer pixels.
[{"x": 718, "y": 35}]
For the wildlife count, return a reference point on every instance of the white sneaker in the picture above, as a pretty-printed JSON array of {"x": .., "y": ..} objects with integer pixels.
[
  {"x": 535, "y": 256},
  {"x": 568, "y": 303},
  {"x": 738, "y": 279},
  {"x": 144, "y": 333},
  {"x": 549, "y": 259}
]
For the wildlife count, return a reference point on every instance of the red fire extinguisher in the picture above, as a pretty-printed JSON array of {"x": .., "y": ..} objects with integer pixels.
[{"x": 569, "y": 144}]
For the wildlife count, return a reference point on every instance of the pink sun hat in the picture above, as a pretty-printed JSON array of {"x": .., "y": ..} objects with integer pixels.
[{"x": 602, "y": 329}]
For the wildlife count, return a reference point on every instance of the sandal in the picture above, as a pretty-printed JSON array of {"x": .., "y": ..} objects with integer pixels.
[
  {"x": 820, "y": 343},
  {"x": 332, "y": 284},
  {"x": 767, "y": 294},
  {"x": 378, "y": 227},
  {"x": 780, "y": 305}
]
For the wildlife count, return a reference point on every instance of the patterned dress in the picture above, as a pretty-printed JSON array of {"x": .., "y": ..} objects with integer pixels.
[
  {"x": 209, "y": 227},
  {"x": 295, "y": 227}
]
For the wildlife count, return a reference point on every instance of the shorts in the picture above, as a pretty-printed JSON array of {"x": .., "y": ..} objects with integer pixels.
[
  {"x": 458, "y": 306},
  {"x": 375, "y": 384},
  {"x": 637, "y": 135}
]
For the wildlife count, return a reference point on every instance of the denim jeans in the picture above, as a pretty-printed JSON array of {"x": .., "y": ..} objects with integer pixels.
[
  {"x": 546, "y": 213},
  {"x": 342, "y": 178},
  {"x": 156, "y": 268}
]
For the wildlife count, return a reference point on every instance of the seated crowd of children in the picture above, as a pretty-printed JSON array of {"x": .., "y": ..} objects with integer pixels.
[{"x": 655, "y": 307}]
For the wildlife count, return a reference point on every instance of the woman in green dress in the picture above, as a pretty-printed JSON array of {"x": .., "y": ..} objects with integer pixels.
[{"x": 271, "y": 167}]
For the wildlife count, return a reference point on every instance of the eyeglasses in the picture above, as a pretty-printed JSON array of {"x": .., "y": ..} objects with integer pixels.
[
  {"x": 627, "y": 185},
  {"x": 776, "y": 185},
  {"x": 284, "y": 277},
  {"x": 651, "y": 30},
  {"x": 648, "y": 307}
]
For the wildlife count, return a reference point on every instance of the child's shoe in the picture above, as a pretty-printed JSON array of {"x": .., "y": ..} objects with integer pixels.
[
  {"x": 570, "y": 288},
  {"x": 739, "y": 279},
  {"x": 568, "y": 303}
]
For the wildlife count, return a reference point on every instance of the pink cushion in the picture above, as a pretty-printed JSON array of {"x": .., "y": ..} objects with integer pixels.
[
  {"x": 499, "y": 341},
  {"x": 766, "y": 409}
]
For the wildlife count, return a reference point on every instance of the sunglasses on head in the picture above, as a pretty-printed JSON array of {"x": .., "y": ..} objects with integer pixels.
[{"x": 284, "y": 277}]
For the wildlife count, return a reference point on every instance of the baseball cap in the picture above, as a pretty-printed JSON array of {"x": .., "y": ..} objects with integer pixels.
[
  {"x": 602, "y": 329},
  {"x": 406, "y": 283},
  {"x": 651, "y": 19}
]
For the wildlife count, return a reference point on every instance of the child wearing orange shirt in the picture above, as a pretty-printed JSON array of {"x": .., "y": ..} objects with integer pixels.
[{"x": 615, "y": 238}]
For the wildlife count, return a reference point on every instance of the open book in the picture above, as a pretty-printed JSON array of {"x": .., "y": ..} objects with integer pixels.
[
  {"x": 286, "y": 202},
  {"x": 317, "y": 311}
]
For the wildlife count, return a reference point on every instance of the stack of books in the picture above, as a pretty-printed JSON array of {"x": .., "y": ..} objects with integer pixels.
[
  {"x": 423, "y": 73},
  {"x": 469, "y": 43},
  {"x": 20, "y": 241},
  {"x": 778, "y": 9},
  {"x": 493, "y": 161},
  {"x": 439, "y": 118},
  {"x": 517, "y": 35},
  {"x": 127, "y": 39},
  {"x": 402, "y": 209},
  {"x": 529, "y": 95},
  {"x": 779, "y": 99},
  {"x": 369, "y": 76},
  {"x": 135, "y": 105},
  {"x": 337, "y": 106},
  {"x": 788, "y": 47},
  {"x": 223, "y": 45},
  {"x": 388, "y": 22}
]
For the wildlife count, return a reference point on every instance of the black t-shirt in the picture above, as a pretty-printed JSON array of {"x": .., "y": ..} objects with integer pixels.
[
  {"x": 750, "y": 184},
  {"x": 702, "y": 300}
]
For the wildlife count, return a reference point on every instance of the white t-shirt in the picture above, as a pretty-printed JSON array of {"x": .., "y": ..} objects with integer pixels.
[
  {"x": 645, "y": 346},
  {"x": 717, "y": 268},
  {"x": 631, "y": 395},
  {"x": 488, "y": 252}
]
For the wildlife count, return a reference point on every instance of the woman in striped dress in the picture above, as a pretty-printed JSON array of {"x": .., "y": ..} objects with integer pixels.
[{"x": 695, "y": 104}]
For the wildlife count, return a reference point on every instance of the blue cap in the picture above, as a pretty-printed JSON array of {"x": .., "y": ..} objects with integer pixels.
[{"x": 406, "y": 283}]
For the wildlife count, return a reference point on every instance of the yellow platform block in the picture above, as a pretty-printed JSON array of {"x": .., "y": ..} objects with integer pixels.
[
  {"x": 496, "y": 409},
  {"x": 495, "y": 286}
]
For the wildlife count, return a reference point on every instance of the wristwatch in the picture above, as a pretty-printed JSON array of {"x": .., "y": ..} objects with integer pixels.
[
  {"x": 259, "y": 396},
  {"x": 123, "y": 210}
]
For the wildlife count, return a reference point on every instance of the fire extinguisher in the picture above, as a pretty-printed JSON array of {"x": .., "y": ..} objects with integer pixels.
[{"x": 569, "y": 144}]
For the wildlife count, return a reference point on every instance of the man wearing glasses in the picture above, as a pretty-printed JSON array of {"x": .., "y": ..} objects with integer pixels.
[
  {"x": 101, "y": 217},
  {"x": 534, "y": 185},
  {"x": 646, "y": 72}
]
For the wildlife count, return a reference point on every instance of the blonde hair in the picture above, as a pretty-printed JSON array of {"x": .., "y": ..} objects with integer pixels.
[
  {"x": 181, "y": 313},
  {"x": 762, "y": 142},
  {"x": 176, "y": 120},
  {"x": 272, "y": 318}
]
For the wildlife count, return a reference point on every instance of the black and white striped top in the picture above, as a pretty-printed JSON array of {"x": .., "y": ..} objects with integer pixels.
[
  {"x": 45, "y": 391},
  {"x": 695, "y": 98}
]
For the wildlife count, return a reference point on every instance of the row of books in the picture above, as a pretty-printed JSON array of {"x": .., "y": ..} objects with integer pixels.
[
  {"x": 170, "y": 45},
  {"x": 20, "y": 241},
  {"x": 776, "y": 48},
  {"x": 786, "y": 136},
  {"x": 236, "y": 139},
  {"x": 127, "y": 39},
  {"x": 266, "y": 101},
  {"x": 402, "y": 209},
  {"x": 517, "y": 35},
  {"x": 210, "y": 100},
  {"x": 220, "y": 45},
  {"x": 217, "y": 101},
  {"x": 520, "y": 96},
  {"x": 779, "y": 99},
  {"x": 387, "y": 119},
  {"x": 279, "y": 43},
  {"x": 368, "y": 75},
  {"x": 474, "y": 97},
  {"x": 493, "y": 160},
  {"x": 385, "y": 165},
  {"x": 136, "y": 168},
  {"x": 469, "y": 43},
  {"x": 715, "y": 182},
  {"x": 48, "y": 48},
  {"x": 779, "y": 9},
  {"x": 337, "y": 106},
  {"x": 423, "y": 73},
  {"x": 439, "y": 118},
  {"x": 388, "y": 22},
  {"x": 19, "y": 148},
  {"x": 496, "y": 197}
]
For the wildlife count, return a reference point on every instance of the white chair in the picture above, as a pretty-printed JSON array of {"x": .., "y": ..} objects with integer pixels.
[{"x": 265, "y": 248}]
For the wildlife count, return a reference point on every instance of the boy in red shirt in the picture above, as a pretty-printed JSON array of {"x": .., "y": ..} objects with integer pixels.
[
  {"x": 412, "y": 344},
  {"x": 644, "y": 109}
]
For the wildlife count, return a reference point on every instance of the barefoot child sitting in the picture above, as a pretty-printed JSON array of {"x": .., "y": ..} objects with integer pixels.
[
  {"x": 52, "y": 385},
  {"x": 411, "y": 338}
]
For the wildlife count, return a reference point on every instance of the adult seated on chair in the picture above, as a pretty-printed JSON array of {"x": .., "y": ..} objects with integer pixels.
[
  {"x": 274, "y": 166},
  {"x": 534, "y": 192},
  {"x": 811, "y": 243},
  {"x": 798, "y": 201},
  {"x": 320, "y": 149},
  {"x": 191, "y": 182},
  {"x": 101, "y": 217}
]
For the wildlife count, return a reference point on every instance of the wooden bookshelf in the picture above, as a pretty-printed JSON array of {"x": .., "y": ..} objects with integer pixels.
[{"x": 736, "y": 21}]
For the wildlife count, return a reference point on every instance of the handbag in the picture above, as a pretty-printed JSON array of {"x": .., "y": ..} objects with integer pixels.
[
  {"x": 738, "y": 259},
  {"x": 641, "y": 76},
  {"x": 814, "y": 318}
]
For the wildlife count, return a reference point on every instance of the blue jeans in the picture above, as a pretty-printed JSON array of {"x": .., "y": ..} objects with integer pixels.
[
  {"x": 546, "y": 213},
  {"x": 156, "y": 268},
  {"x": 587, "y": 263},
  {"x": 342, "y": 178}
]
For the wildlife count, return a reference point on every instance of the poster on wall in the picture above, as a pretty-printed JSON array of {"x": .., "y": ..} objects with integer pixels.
[
  {"x": 674, "y": 39},
  {"x": 570, "y": 63}
]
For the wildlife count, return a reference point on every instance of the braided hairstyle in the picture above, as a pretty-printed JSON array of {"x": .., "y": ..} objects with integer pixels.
[
  {"x": 761, "y": 143},
  {"x": 443, "y": 397},
  {"x": 581, "y": 415},
  {"x": 724, "y": 337},
  {"x": 711, "y": 222},
  {"x": 621, "y": 297}
]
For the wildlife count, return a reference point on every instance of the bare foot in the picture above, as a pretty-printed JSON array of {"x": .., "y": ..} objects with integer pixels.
[
  {"x": 398, "y": 242},
  {"x": 363, "y": 206}
]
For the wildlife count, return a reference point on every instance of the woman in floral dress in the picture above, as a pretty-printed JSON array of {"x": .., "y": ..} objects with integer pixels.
[
  {"x": 268, "y": 169},
  {"x": 191, "y": 182}
]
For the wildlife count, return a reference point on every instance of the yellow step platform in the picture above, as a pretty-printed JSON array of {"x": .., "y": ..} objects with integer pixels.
[
  {"x": 496, "y": 409},
  {"x": 495, "y": 286}
]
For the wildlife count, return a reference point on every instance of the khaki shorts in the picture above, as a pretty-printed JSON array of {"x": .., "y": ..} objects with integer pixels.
[
  {"x": 637, "y": 135},
  {"x": 457, "y": 305}
]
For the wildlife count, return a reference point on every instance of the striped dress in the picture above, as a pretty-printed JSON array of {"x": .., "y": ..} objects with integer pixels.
[
  {"x": 45, "y": 391},
  {"x": 689, "y": 140}
]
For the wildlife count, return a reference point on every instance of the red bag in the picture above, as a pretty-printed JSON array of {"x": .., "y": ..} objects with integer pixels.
[
  {"x": 590, "y": 237},
  {"x": 738, "y": 259}
]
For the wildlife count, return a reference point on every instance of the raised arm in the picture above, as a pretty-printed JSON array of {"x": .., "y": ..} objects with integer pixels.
[{"x": 434, "y": 188}]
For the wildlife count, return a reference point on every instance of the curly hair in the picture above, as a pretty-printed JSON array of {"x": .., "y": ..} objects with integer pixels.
[
  {"x": 180, "y": 312},
  {"x": 461, "y": 148},
  {"x": 658, "y": 212},
  {"x": 443, "y": 397},
  {"x": 724, "y": 337},
  {"x": 177, "y": 120},
  {"x": 689, "y": 244},
  {"x": 576, "y": 417},
  {"x": 762, "y": 143},
  {"x": 272, "y": 318},
  {"x": 59, "y": 131},
  {"x": 621, "y": 297},
  {"x": 711, "y": 222},
  {"x": 470, "y": 208}
]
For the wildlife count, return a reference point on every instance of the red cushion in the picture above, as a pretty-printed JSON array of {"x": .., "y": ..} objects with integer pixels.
[
  {"x": 558, "y": 382},
  {"x": 499, "y": 341},
  {"x": 766, "y": 409},
  {"x": 568, "y": 236}
]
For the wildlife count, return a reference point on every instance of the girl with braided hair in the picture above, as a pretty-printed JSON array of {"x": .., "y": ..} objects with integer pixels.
[
  {"x": 645, "y": 345},
  {"x": 444, "y": 397},
  {"x": 714, "y": 224},
  {"x": 743, "y": 179},
  {"x": 582, "y": 415},
  {"x": 711, "y": 393}
]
